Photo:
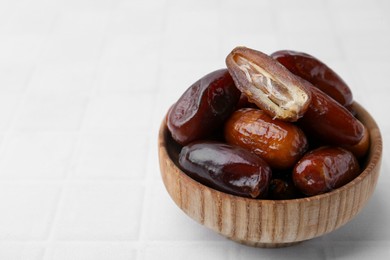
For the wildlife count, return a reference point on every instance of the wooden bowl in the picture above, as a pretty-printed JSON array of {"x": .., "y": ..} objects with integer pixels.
[{"x": 270, "y": 223}]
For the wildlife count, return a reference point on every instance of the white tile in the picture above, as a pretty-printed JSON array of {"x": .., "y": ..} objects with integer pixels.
[
  {"x": 20, "y": 48},
  {"x": 49, "y": 111},
  {"x": 312, "y": 249},
  {"x": 190, "y": 252},
  {"x": 172, "y": 223},
  {"x": 36, "y": 156},
  {"x": 361, "y": 250},
  {"x": 68, "y": 78},
  {"x": 195, "y": 22},
  {"x": 119, "y": 113},
  {"x": 89, "y": 5},
  {"x": 193, "y": 5},
  {"x": 127, "y": 48},
  {"x": 374, "y": 74},
  {"x": 361, "y": 21},
  {"x": 137, "y": 20},
  {"x": 33, "y": 18},
  {"x": 244, "y": 20},
  {"x": 178, "y": 76},
  {"x": 101, "y": 251},
  {"x": 142, "y": 4},
  {"x": 111, "y": 156},
  {"x": 184, "y": 29},
  {"x": 72, "y": 48},
  {"x": 372, "y": 46},
  {"x": 303, "y": 21},
  {"x": 92, "y": 212},
  {"x": 128, "y": 77},
  {"x": 352, "y": 5},
  {"x": 323, "y": 45},
  {"x": 292, "y": 6},
  {"x": 81, "y": 22},
  {"x": 14, "y": 76},
  {"x": 19, "y": 252},
  {"x": 26, "y": 210},
  {"x": 266, "y": 42},
  {"x": 8, "y": 106}
]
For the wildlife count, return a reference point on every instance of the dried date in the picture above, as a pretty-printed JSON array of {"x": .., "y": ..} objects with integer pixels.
[
  {"x": 226, "y": 168},
  {"x": 268, "y": 84},
  {"x": 325, "y": 169},
  {"x": 203, "y": 107},
  {"x": 279, "y": 143},
  {"x": 317, "y": 73}
]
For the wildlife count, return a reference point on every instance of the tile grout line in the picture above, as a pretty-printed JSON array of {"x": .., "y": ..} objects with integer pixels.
[
  {"x": 332, "y": 20},
  {"x": 24, "y": 94},
  {"x": 62, "y": 193},
  {"x": 152, "y": 138},
  {"x": 76, "y": 149}
]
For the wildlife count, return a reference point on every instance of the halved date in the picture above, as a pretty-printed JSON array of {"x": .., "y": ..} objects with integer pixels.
[
  {"x": 317, "y": 73},
  {"x": 325, "y": 169},
  {"x": 268, "y": 84},
  {"x": 203, "y": 107},
  {"x": 226, "y": 168}
]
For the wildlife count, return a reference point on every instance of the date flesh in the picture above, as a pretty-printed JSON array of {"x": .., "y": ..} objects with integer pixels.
[
  {"x": 203, "y": 107},
  {"x": 268, "y": 84},
  {"x": 317, "y": 73},
  {"x": 280, "y": 144},
  {"x": 226, "y": 168},
  {"x": 325, "y": 169}
]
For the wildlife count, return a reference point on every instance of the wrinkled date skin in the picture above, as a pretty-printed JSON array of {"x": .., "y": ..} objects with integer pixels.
[
  {"x": 317, "y": 73},
  {"x": 268, "y": 84},
  {"x": 332, "y": 123},
  {"x": 203, "y": 107},
  {"x": 279, "y": 143},
  {"x": 280, "y": 189},
  {"x": 226, "y": 168},
  {"x": 325, "y": 169}
]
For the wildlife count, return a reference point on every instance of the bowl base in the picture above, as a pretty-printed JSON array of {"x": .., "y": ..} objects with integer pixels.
[{"x": 265, "y": 245}]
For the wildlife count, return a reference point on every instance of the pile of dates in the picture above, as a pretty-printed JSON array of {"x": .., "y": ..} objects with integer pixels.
[{"x": 269, "y": 127}]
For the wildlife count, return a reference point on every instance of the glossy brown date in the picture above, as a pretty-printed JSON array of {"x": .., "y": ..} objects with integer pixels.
[
  {"x": 317, "y": 73},
  {"x": 331, "y": 122},
  {"x": 268, "y": 84},
  {"x": 360, "y": 149},
  {"x": 203, "y": 107},
  {"x": 226, "y": 168},
  {"x": 325, "y": 169},
  {"x": 279, "y": 143}
]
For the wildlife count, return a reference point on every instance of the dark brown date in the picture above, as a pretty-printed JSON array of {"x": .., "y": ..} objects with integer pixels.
[
  {"x": 226, "y": 168},
  {"x": 268, "y": 84},
  {"x": 280, "y": 144},
  {"x": 203, "y": 107},
  {"x": 331, "y": 122},
  {"x": 280, "y": 189},
  {"x": 360, "y": 149},
  {"x": 325, "y": 169},
  {"x": 317, "y": 73}
]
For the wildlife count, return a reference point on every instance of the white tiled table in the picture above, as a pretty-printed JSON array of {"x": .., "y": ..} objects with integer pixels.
[{"x": 84, "y": 85}]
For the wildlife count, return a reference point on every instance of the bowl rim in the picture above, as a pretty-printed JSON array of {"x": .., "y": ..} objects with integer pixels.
[{"x": 374, "y": 153}]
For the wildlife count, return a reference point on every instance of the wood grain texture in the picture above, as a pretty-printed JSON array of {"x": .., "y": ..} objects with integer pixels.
[{"x": 271, "y": 223}]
